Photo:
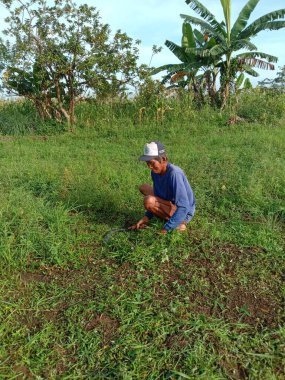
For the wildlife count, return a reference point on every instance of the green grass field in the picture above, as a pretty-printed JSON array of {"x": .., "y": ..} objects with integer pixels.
[{"x": 207, "y": 304}]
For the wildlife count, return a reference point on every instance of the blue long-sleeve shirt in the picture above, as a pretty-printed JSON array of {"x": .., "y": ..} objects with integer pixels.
[{"x": 173, "y": 186}]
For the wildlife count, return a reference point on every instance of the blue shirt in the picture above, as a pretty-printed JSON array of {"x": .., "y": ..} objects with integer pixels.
[{"x": 173, "y": 186}]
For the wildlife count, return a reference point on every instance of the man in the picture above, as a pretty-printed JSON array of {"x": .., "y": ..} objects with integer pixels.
[{"x": 171, "y": 197}]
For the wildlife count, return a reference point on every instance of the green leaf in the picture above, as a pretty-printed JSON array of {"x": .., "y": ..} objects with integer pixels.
[
  {"x": 217, "y": 50},
  {"x": 188, "y": 39},
  {"x": 200, "y": 9},
  {"x": 173, "y": 68},
  {"x": 265, "y": 22},
  {"x": 226, "y": 5},
  {"x": 178, "y": 51},
  {"x": 199, "y": 52},
  {"x": 211, "y": 43},
  {"x": 199, "y": 36},
  {"x": 239, "y": 80},
  {"x": 249, "y": 70},
  {"x": 243, "y": 17},
  {"x": 247, "y": 84},
  {"x": 243, "y": 44},
  {"x": 258, "y": 54},
  {"x": 219, "y": 35}
]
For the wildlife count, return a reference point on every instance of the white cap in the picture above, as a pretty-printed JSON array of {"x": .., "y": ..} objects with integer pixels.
[{"x": 152, "y": 150}]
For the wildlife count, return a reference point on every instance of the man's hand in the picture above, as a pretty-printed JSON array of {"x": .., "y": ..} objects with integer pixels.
[
  {"x": 142, "y": 223},
  {"x": 163, "y": 232}
]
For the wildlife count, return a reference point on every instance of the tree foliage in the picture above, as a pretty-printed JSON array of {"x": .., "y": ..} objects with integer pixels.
[
  {"x": 197, "y": 73},
  {"x": 231, "y": 39},
  {"x": 217, "y": 48},
  {"x": 277, "y": 83},
  {"x": 60, "y": 52},
  {"x": 4, "y": 48}
]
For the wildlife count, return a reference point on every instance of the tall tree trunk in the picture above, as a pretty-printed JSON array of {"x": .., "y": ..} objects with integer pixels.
[
  {"x": 72, "y": 100},
  {"x": 226, "y": 90},
  {"x": 60, "y": 105}
]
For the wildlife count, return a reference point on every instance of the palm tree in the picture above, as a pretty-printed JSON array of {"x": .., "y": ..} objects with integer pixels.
[{"x": 232, "y": 39}]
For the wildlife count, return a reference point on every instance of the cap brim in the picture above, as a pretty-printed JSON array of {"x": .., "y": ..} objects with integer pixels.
[{"x": 147, "y": 158}]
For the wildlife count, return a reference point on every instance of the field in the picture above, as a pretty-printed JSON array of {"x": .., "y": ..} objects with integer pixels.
[{"x": 205, "y": 304}]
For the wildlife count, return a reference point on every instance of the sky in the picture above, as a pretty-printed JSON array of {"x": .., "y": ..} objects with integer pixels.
[{"x": 154, "y": 21}]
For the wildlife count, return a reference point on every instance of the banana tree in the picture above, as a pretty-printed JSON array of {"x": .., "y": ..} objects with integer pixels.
[
  {"x": 194, "y": 71},
  {"x": 230, "y": 39}
]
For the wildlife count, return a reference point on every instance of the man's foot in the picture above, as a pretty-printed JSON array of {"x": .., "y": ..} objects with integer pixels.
[{"x": 182, "y": 227}]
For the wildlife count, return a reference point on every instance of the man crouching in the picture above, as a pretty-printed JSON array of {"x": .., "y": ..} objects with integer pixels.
[{"x": 171, "y": 197}]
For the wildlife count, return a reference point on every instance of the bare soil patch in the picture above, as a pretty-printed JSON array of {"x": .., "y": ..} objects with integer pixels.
[
  {"x": 23, "y": 373},
  {"x": 30, "y": 277},
  {"x": 106, "y": 325},
  {"x": 220, "y": 293}
]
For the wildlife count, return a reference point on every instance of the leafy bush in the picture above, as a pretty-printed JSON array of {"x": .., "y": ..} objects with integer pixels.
[{"x": 261, "y": 105}]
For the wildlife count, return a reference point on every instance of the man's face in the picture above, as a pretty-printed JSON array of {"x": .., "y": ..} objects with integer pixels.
[{"x": 156, "y": 166}]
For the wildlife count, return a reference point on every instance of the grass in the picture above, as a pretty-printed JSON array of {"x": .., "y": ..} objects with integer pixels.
[{"x": 208, "y": 304}]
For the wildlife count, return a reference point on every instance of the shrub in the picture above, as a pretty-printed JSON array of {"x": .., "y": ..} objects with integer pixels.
[{"x": 261, "y": 105}]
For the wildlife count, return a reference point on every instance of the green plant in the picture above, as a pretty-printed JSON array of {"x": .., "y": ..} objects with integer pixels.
[{"x": 187, "y": 73}]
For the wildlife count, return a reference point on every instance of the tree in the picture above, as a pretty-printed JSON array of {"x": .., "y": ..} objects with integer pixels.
[
  {"x": 277, "y": 83},
  {"x": 60, "y": 52},
  {"x": 232, "y": 39},
  {"x": 187, "y": 73}
]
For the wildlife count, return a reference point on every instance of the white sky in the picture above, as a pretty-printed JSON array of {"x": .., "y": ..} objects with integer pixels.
[{"x": 154, "y": 21}]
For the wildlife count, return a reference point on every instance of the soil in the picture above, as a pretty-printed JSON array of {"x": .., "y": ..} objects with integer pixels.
[
  {"x": 255, "y": 303},
  {"x": 106, "y": 325},
  {"x": 22, "y": 372}
]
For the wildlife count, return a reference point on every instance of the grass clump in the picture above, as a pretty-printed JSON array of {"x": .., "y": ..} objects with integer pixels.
[{"x": 19, "y": 117}]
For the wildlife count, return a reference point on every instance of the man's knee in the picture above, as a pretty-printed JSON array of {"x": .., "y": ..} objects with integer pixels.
[
  {"x": 149, "y": 202},
  {"x": 146, "y": 189}
]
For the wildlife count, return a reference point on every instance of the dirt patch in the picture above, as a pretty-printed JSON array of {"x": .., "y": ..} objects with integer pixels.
[
  {"x": 252, "y": 307},
  {"x": 106, "y": 325},
  {"x": 30, "y": 321},
  {"x": 176, "y": 341},
  {"x": 233, "y": 370},
  {"x": 11, "y": 138},
  {"x": 35, "y": 321},
  {"x": 54, "y": 314},
  {"x": 23, "y": 373},
  {"x": 80, "y": 285},
  {"x": 30, "y": 277},
  {"x": 83, "y": 277},
  {"x": 61, "y": 368},
  {"x": 212, "y": 287},
  {"x": 40, "y": 138},
  {"x": 125, "y": 273}
]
